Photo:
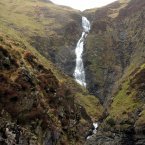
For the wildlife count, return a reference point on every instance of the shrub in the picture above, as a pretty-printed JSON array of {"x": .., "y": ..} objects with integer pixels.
[{"x": 110, "y": 121}]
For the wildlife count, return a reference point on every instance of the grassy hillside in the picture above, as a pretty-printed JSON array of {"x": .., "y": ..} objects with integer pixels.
[
  {"x": 20, "y": 22},
  {"x": 115, "y": 70},
  {"x": 35, "y": 95},
  {"x": 115, "y": 45},
  {"x": 30, "y": 16},
  {"x": 125, "y": 121},
  {"x": 37, "y": 99},
  {"x": 45, "y": 26}
]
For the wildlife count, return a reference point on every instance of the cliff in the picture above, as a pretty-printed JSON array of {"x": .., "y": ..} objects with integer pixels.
[{"x": 115, "y": 64}]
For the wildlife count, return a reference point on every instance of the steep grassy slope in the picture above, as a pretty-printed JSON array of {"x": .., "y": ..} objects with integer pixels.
[
  {"x": 115, "y": 45},
  {"x": 115, "y": 58},
  {"x": 125, "y": 121},
  {"x": 53, "y": 30},
  {"x": 39, "y": 105},
  {"x": 30, "y": 18}
]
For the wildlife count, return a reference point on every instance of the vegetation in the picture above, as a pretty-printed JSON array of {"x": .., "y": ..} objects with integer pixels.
[
  {"x": 45, "y": 26},
  {"x": 127, "y": 107},
  {"x": 89, "y": 102},
  {"x": 33, "y": 97},
  {"x": 110, "y": 121},
  {"x": 114, "y": 60},
  {"x": 39, "y": 96}
]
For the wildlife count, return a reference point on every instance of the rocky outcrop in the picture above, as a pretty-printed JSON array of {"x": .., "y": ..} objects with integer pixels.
[
  {"x": 35, "y": 107},
  {"x": 60, "y": 47}
]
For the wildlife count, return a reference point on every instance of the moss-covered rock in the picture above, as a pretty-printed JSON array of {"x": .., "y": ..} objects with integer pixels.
[{"x": 37, "y": 106}]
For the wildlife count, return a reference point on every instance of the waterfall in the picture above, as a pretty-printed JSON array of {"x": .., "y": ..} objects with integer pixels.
[
  {"x": 94, "y": 130},
  {"x": 79, "y": 72}
]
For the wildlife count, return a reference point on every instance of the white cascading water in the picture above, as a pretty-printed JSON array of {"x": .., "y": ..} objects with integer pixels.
[
  {"x": 79, "y": 72},
  {"x": 94, "y": 130}
]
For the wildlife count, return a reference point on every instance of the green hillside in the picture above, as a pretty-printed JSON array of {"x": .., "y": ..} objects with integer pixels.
[{"x": 36, "y": 97}]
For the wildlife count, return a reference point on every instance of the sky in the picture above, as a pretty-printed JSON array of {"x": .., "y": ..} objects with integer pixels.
[{"x": 83, "y": 4}]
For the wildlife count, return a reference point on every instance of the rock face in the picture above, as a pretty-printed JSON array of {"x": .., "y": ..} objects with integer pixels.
[
  {"x": 35, "y": 107},
  {"x": 115, "y": 61},
  {"x": 114, "y": 45}
]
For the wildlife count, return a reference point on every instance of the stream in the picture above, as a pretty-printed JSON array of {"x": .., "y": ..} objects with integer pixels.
[{"x": 79, "y": 72}]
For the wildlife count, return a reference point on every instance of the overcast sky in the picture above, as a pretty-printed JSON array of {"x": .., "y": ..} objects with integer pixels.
[{"x": 83, "y": 4}]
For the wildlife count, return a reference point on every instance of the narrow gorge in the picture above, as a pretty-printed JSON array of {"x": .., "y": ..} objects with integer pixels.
[{"x": 70, "y": 77}]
